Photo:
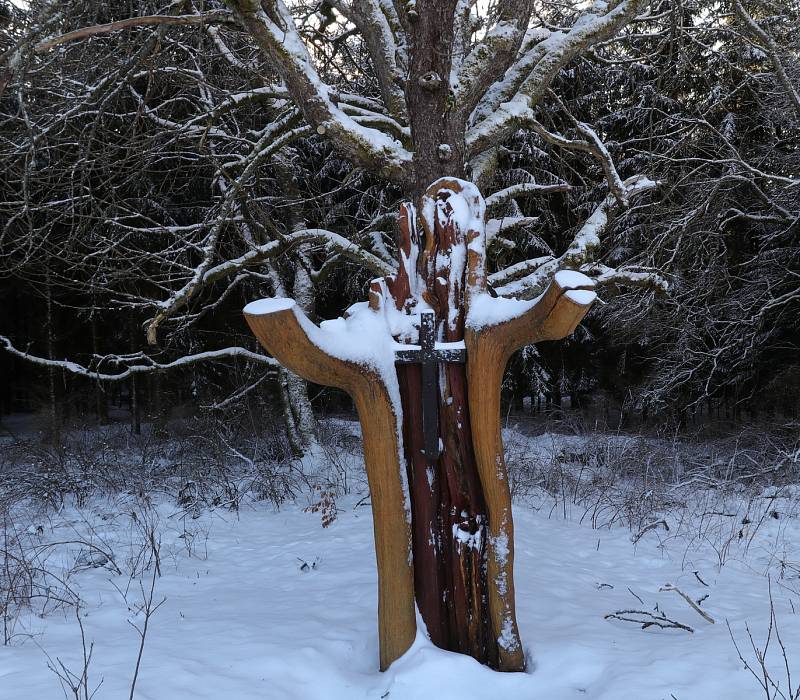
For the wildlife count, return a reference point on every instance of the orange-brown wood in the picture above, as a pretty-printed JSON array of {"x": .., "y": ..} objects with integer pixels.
[
  {"x": 283, "y": 332},
  {"x": 489, "y": 348},
  {"x": 470, "y": 477},
  {"x": 400, "y": 285}
]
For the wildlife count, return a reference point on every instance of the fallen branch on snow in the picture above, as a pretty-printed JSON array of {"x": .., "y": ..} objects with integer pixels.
[
  {"x": 647, "y": 619},
  {"x": 669, "y": 587}
]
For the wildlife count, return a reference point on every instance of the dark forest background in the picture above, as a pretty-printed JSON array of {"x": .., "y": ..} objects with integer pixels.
[{"x": 111, "y": 154}]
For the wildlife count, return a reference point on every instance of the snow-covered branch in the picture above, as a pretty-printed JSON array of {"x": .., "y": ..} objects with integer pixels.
[
  {"x": 604, "y": 275},
  {"x": 532, "y": 50},
  {"x": 494, "y": 201},
  {"x": 591, "y": 144},
  {"x": 379, "y": 27},
  {"x": 151, "y": 366},
  {"x": 563, "y": 47},
  {"x": 489, "y": 59},
  {"x": 529, "y": 277},
  {"x": 528, "y": 80},
  {"x": 768, "y": 45},
  {"x": 587, "y": 240},
  {"x": 275, "y": 32},
  {"x": 269, "y": 144},
  {"x": 507, "y": 225},
  {"x": 518, "y": 270},
  {"x": 598, "y": 149},
  {"x": 331, "y": 242}
]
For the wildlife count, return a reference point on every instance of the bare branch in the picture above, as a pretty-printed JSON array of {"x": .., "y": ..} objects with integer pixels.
[
  {"x": 647, "y": 619},
  {"x": 669, "y": 587},
  {"x": 215, "y": 17},
  {"x": 152, "y": 366},
  {"x": 277, "y": 35},
  {"x": 769, "y": 46}
]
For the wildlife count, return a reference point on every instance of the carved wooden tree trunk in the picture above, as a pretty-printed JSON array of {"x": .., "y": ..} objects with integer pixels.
[
  {"x": 450, "y": 546},
  {"x": 448, "y": 508}
]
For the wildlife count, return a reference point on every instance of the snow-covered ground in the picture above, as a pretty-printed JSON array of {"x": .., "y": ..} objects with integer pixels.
[{"x": 268, "y": 604}]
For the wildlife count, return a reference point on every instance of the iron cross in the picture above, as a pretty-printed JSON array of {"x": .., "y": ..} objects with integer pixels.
[{"x": 429, "y": 355}]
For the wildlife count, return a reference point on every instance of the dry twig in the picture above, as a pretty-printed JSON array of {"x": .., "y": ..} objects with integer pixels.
[
  {"x": 649, "y": 527},
  {"x": 647, "y": 619},
  {"x": 669, "y": 587}
]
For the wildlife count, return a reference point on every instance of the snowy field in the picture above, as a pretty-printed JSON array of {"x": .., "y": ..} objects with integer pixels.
[{"x": 266, "y": 603}]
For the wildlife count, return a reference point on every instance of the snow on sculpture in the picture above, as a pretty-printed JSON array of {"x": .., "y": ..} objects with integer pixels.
[{"x": 432, "y": 444}]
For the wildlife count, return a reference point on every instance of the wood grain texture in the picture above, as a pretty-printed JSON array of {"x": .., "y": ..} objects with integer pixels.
[
  {"x": 451, "y": 538},
  {"x": 283, "y": 335},
  {"x": 488, "y": 351},
  {"x": 465, "y": 593}
]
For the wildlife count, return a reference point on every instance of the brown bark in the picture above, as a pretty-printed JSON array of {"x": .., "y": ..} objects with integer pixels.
[
  {"x": 489, "y": 349},
  {"x": 448, "y": 510},
  {"x": 438, "y": 131}
]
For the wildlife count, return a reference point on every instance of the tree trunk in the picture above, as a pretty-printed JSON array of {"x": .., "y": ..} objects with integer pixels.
[
  {"x": 437, "y": 131},
  {"x": 448, "y": 507},
  {"x": 305, "y": 424},
  {"x": 289, "y": 420},
  {"x": 100, "y": 397},
  {"x": 297, "y": 387},
  {"x": 136, "y": 414},
  {"x": 460, "y": 563},
  {"x": 449, "y": 514},
  {"x": 53, "y": 413},
  {"x": 298, "y": 415}
]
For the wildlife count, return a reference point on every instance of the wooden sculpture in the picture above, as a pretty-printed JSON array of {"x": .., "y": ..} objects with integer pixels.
[{"x": 423, "y": 360}]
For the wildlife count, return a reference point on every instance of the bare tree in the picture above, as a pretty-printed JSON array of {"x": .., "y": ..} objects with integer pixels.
[{"x": 238, "y": 89}]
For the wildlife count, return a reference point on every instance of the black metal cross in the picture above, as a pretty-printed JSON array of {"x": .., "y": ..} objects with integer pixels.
[{"x": 429, "y": 356}]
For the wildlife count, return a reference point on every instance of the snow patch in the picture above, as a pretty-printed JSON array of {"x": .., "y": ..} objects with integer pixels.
[
  {"x": 486, "y": 310},
  {"x": 261, "y": 307},
  {"x": 570, "y": 279},
  {"x": 507, "y": 639},
  {"x": 584, "y": 297}
]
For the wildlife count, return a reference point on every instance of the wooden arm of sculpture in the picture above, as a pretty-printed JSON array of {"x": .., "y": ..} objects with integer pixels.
[
  {"x": 555, "y": 315},
  {"x": 284, "y": 330}
]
